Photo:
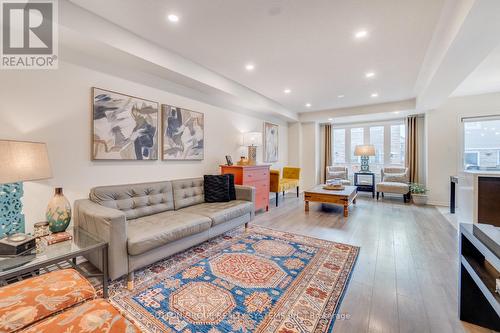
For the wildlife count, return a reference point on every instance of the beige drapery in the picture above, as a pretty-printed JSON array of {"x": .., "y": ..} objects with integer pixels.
[
  {"x": 412, "y": 148},
  {"x": 328, "y": 150}
]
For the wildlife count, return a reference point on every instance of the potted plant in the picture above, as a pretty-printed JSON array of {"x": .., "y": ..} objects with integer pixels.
[{"x": 418, "y": 193}]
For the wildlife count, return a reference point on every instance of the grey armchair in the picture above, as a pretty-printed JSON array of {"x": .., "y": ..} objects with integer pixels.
[
  {"x": 338, "y": 172},
  {"x": 394, "y": 180}
]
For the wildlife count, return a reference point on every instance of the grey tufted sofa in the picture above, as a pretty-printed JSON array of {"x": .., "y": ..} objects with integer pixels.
[{"x": 144, "y": 223}]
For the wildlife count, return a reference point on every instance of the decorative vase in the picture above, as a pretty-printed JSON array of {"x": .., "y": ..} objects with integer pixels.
[
  {"x": 58, "y": 212},
  {"x": 419, "y": 199}
]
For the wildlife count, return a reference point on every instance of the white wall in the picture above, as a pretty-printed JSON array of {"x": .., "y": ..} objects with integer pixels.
[
  {"x": 54, "y": 106},
  {"x": 444, "y": 139}
]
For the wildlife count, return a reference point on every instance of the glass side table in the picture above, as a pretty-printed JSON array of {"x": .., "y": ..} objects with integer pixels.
[
  {"x": 56, "y": 255},
  {"x": 364, "y": 186}
]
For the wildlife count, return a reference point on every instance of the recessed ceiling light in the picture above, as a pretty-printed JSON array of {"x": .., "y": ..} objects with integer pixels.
[
  {"x": 361, "y": 34},
  {"x": 308, "y": 105},
  {"x": 340, "y": 96},
  {"x": 374, "y": 95},
  {"x": 369, "y": 74},
  {"x": 249, "y": 67},
  {"x": 173, "y": 18},
  {"x": 287, "y": 91}
]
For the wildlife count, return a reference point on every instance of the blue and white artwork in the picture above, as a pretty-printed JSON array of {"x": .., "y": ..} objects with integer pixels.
[
  {"x": 183, "y": 134},
  {"x": 124, "y": 127}
]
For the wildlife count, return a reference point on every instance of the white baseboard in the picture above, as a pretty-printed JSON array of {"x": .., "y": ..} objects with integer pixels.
[{"x": 438, "y": 203}]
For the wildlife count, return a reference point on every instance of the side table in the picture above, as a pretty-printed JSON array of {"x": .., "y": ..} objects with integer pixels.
[
  {"x": 363, "y": 187},
  {"x": 57, "y": 256}
]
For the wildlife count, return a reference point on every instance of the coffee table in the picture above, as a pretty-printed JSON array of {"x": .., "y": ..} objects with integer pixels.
[
  {"x": 56, "y": 256},
  {"x": 338, "y": 197}
]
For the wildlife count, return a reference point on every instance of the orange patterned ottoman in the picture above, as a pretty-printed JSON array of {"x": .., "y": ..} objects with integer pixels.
[
  {"x": 25, "y": 306},
  {"x": 28, "y": 301},
  {"x": 97, "y": 316}
]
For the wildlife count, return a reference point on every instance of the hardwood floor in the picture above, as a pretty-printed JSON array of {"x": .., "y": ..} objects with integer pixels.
[{"x": 405, "y": 279}]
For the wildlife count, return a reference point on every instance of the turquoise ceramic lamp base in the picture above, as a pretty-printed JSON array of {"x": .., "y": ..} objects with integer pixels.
[{"x": 11, "y": 209}]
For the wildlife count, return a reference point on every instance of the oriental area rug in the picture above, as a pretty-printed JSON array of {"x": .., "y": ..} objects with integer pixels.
[{"x": 259, "y": 280}]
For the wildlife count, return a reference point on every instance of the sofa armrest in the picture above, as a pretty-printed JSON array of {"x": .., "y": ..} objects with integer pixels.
[
  {"x": 109, "y": 225},
  {"x": 246, "y": 193}
]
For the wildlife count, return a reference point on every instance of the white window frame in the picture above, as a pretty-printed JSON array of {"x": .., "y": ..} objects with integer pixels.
[
  {"x": 366, "y": 136},
  {"x": 461, "y": 135}
]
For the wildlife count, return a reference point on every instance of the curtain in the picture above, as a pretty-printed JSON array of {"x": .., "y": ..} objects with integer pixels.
[
  {"x": 413, "y": 148},
  {"x": 328, "y": 150}
]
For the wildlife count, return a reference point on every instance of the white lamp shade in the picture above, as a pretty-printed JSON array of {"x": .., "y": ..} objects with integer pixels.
[
  {"x": 23, "y": 161},
  {"x": 364, "y": 150},
  {"x": 252, "y": 139}
]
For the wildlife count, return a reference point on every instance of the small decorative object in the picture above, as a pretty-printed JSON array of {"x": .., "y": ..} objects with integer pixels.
[
  {"x": 252, "y": 140},
  {"x": 16, "y": 244},
  {"x": 57, "y": 238},
  {"x": 271, "y": 142},
  {"x": 418, "y": 194},
  {"x": 124, "y": 127},
  {"x": 41, "y": 229},
  {"x": 21, "y": 161},
  {"x": 183, "y": 134},
  {"x": 243, "y": 161},
  {"x": 365, "y": 151},
  {"x": 58, "y": 212},
  {"x": 229, "y": 160},
  {"x": 334, "y": 184}
]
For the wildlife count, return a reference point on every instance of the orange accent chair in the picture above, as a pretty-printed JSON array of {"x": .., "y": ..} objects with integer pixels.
[{"x": 290, "y": 180}]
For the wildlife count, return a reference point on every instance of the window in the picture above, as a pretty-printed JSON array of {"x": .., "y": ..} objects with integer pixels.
[
  {"x": 471, "y": 158},
  {"x": 377, "y": 139},
  {"x": 481, "y": 144},
  {"x": 356, "y": 140},
  {"x": 398, "y": 142},
  {"x": 339, "y": 145},
  {"x": 388, "y": 138}
]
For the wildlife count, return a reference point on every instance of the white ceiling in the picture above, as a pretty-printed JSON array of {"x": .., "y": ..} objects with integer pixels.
[
  {"x": 484, "y": 79},
  {"x": 307, "y": 46}
]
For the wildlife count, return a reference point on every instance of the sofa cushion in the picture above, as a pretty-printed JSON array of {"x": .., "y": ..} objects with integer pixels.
[
  {"x": 337, "y": 174},
  {"x": 136, "y": 200},
  {"x": 393, "y": 187},
  {"x": 188, "y": 192},
  {"x": 27, "y": 301},
  {"x": 220, "y": 212},
  {"x": 149, "y": 232},
  {"x": 97, "y": 316}
]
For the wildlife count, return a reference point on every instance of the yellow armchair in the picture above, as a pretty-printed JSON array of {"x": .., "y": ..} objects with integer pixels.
[{"x": 291, "y": 177}]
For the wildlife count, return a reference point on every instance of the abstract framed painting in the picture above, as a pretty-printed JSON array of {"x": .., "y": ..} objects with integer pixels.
[
  {"x": 123, "y": 127},
  {"x": 183, "y": 134},
  {"x": 270, "y": 142}
]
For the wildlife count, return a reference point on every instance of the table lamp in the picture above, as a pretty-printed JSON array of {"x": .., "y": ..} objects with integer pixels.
[
  {"x": 19, "y": 161},
  {"x": 365, "y": 151},
  {"x": 252, "y": 140}
]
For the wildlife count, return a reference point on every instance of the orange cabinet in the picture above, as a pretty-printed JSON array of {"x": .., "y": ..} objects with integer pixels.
[{"x": 252, "y": 175}]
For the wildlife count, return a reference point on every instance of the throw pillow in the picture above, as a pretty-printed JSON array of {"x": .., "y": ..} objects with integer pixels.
[
  {"x": 395, "y": 177},
  {"x": 216, "y": 188},
  {"x": 232, "y": 190}
]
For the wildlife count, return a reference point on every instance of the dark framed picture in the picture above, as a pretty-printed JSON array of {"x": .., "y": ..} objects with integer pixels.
[{"x": 229, "y": 160}]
